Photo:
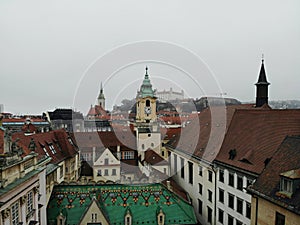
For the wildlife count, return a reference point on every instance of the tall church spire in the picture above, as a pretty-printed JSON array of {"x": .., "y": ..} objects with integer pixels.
[
  {"x": 146, "y": 87},
  {"x": 101, "y": 98},
  {"x": 262, "y": 87}
]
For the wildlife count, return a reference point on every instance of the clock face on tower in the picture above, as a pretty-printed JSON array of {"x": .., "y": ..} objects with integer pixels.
[{"x": 147, "y": 110}]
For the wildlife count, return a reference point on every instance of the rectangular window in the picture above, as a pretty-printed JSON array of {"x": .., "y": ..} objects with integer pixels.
[
  {"x": 128, "y": 155},
  {"x": 286, "y": 185},
  {"x": 114, "y": 173},
  {"x": 248, "y": 210},
  {"x": 106, "y": 172},
  {"x": 231, "y": 179},
  {"x": 221, "y": 176},
  {"x": 175, "y": 164},
  {"x": 231, "y": 201},
  {"x": 15, "y": 213},
  {"x": 200, "y": 188},
  {"x": 61, "y": 171},
  {"x": 209, "y": 195},
  {"x": 29, "y": 202},
  {"x": 191, "y": 174},
  {"x": 209, "y": 215},
  {"x": 239, "y": 205},
  {"x": 249, "y": 182},
  {"x": 182, "y": 167},
  {"x": 221, "y": 216},
  {"x": 199, "y": 206},
  {"x": 99, "y": 173},
  {"x": 230, "y": 220},
  {"x": 221, "y": 195},
  {"x": 280, "y": 219},
  {"x": 200, "y": 171},
  {"x": 210, "y": 176},
  {"x": 239, "y": 222},
  {"x": 106, "y": 161},
  {"x": 240, "y": 183},
  {"x": 47, "y": 154}
]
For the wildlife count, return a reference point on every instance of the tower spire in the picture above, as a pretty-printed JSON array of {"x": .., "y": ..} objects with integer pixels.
[
  {"x": 262, "y": 86},
  {"x": 101, "y": 98}
]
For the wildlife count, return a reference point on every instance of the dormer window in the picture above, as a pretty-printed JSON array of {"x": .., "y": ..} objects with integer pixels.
[
  {"x": 160, "y": 217},
  {"x": 128, "y": 217},
  {"x": 286, "y": 185},
  {"x": 61, "y": 219}
]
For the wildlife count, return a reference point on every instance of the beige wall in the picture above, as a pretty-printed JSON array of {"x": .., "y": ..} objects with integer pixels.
[
  {"x": 93, "y": 209},
  {"x": 267, "y": 212}
]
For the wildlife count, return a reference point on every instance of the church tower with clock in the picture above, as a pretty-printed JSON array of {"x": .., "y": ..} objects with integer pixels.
[{"x": 146, "y": 126}]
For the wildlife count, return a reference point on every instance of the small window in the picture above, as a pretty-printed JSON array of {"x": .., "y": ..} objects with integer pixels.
[
  {"x": 147, "y": 102},
  {"x": 286, "y": 185},
  {"x": 209, "y": 214},
  {"x": 191, "y": 174},
  {"x": 210, "y": 176},
  {"x": 221, "y": 176},
  {"x": 280, "y": 219},
  {"x": 239, "y": 205},
  {"x": 15, "y": 213},
  {"x": 143, "y": 146},
  {"x": 240, "y": 183},
  {"x": 231, "y": 201},
  {"x": 106, "y": 172},
  {"x": 182, "y": 167},
  {"x": 106, "y": 161},
  {"x": 230, "y": 220},
  {"x": 99, "y": 173},
  {"x": 221, "y": 216},
  {"x": 231, "y": 179},
  {"x": 200, "y": 188},
  {"x": 114, "y": 172},
  {"x": 221, "y": 195},
  {"x": 200, "y": 206},
  {"x": 29, "y": 202},
  {"x": 200, "y": 171},
  {"x": 209, "y": 195},
  {"x": 248, "y": 210}
]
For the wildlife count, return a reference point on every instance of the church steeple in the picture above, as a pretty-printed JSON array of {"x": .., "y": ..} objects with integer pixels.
[
  {"x": 101, "y": 98},
  {"x": 262, "y": 87},
  {"x": 146, "y": 88}
]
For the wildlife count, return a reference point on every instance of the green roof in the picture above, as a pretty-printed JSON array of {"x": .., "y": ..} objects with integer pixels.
[
  {"x": 146, "y": 88},
  {"x": 143, "y": 201}
]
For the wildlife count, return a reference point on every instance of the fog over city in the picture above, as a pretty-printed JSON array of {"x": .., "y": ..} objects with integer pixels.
[{"x": 52, "y": 51}]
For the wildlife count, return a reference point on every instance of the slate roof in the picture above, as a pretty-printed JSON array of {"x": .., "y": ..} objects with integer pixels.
[
  {"x": 255, "y": 135},
  {"x": 203, "y": 136},
  {"x": 57, "y": 138},
  {"x": 65, "y": 114},
  {"x": 285, "y": 159},
  {"x": 142, "y": 200},
  {"x": 155, "y": 159}
]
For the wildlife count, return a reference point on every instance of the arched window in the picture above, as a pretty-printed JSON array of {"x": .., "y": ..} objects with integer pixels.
[
  {"x": 128, "y": 217},
  {"x": 61, "y": 219},
  {"x": 160, "y": 217},
  {"x": 147, "y": 102}
]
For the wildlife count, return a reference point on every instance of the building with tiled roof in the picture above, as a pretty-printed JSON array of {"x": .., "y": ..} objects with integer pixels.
[
  {"x": 22, "y": 183},
  {"x": 57, "y": 145},
  {"x": 118, "y": 204},
  {"x": 276, "y": 192}
]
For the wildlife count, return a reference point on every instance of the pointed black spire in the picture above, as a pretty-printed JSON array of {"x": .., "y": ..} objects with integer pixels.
[{"x": 262, "y": 87}]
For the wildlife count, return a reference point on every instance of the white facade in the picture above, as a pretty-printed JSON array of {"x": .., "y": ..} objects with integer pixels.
[
  {"x": 233, "y": 203},
  {"x": 198, "y": 179},
  {"x": 170, "y": 95},
  {"x": 107, "y": 167}
]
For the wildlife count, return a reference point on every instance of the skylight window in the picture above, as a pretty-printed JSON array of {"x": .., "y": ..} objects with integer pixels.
[
  {"x": 47, "y": 154},
  {"x": 51, "y": 147}
]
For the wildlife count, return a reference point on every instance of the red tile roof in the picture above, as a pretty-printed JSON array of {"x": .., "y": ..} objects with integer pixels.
[
  {"x": 255, "y": 135},
  {"x": 155, "y": 159},
  {"x": 97, "y": 110},
  {"x": 203, "y": 136},
  {"x": 63, "y": 149},
  {"x": 286, "y": 158}
]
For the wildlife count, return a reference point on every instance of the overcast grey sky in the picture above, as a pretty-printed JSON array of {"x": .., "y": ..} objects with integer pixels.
[{"x": 46, "y": 47}]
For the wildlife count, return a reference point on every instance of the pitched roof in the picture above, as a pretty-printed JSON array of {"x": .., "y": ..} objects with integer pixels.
[
  {"x": 155, "y": 159},
  {"x": 203, "y": 136},
  {"x": 255, "y": 135},
  {"x": 285, "y": 159},
  {"x": 114, "y": 200},
  {"x": 262, "y": 78},
  {"x": 97, "y": 110},
  {"x": 65, "y": 114},
  {"x": 58, "y": 139}
]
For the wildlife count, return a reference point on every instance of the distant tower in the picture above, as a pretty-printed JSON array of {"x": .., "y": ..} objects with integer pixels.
[
  {"x": 101, "y": 98},
  {"x": 262, "y": 87}
]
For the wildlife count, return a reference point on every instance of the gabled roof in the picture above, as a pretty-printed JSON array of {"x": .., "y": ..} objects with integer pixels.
[
  {"x": 286, "y": 158},
  {"x": 255, "y": 135},
  {"x": 114, "y": 200},
  {"x": 152, "y": 158},
  {"x": 203, "y": 136},
  {"x": 97, "y": 111},
  {"x": 58, "y": 139}
]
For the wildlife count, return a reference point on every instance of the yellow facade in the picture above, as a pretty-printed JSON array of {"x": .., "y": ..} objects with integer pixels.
[{"x": 266, "y": 213}]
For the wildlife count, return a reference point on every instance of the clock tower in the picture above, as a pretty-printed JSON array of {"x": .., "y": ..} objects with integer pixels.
[{"x": 146, "y": 126}]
